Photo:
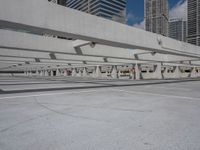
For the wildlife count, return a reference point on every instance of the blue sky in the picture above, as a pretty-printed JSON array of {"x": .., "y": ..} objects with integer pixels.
[{"x": 135, "y": 10}]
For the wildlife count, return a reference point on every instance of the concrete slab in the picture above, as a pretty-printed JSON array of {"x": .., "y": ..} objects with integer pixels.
[{"x": 141, "y": 116}]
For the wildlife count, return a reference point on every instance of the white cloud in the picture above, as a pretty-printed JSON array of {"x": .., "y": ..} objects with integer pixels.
[
  {"x": 179, "y": 10},
  {"x": 139, "y": 25}
]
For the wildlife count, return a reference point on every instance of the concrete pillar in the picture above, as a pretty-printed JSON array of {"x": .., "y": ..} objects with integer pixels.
[
  {"x": 114, "y": 72},
  {"x": 85, "y": 73},
  {"x": 132, "y": 72},
  {"x": 79, "y": 73},
  {"x": 57, "y": 72},
  {"x": 177, "y": 73},
  {"x": 37, "y": 73},
  {"x": 98, "y": 72},
  {"x": 193, "y": 73},
  {"x": 65, "y": 72},
  {"x": 25, "y": 73},
  {"x": 74, "y": 72},
  {"x": 198, "y": 74},
  {"x": 119, "y": 73},
  {"x": 106, "y": 74},
  {"x": 51, "y": 72},
  {"x": 158, "y": 71},
  {"x": 137, "y": 72},
  {"x": 30, "y": 73},
  {"x": 46, "y": 73}
]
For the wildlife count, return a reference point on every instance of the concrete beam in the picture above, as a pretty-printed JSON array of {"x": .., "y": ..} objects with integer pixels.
[
  {"x": 85, "y": 27},
  {"x": 23, "y": 44}
]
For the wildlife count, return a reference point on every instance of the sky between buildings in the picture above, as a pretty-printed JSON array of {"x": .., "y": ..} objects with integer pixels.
[{"x": 135, "y": 11}]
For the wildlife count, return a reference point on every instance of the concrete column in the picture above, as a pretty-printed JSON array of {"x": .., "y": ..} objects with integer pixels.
[
  {"x": 137, "y": 72},
  {"x": 177, "y": 73},
  {"x": 37, "y": 73},
  {"x": 79, "y": 73},
  {"x": 25, "y": 73},
  {"x": 85, "y": 73},
  {"x": 119, "y": 73},
  {"x": 43, "y": 72},
  {"x": 114, "y": 72},
  {"x": 46, "y": 73},
  {"x": 40, "y": 72},
  {"x": 51, "y": 73},
  {"x": 30, "y": 73},
  {"x": 193, "y": 73},
  {"x": 74, "y": 72},
  {"x": 158, "y": 71},
  {"x": 198, "y": 74},
  {"x": 57, "y": 72},
  {"x": 65, "y": 72},
  {"x": 132, "y": 73},
  {"x": 98, "y": 72},
  {"x": 106, "y": 74}
]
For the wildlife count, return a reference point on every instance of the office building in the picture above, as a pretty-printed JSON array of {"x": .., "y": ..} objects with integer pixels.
[
  {"x": 193, "y": 22},
  {"x": 110, "y": 9},
  {"x": 60, "y": 2},
  {"x": 156, "y": 16},
  {"x": 177, "y": 29}
]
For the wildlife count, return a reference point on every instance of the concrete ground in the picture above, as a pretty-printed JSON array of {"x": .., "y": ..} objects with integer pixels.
[{"x": 88, "y": 114}]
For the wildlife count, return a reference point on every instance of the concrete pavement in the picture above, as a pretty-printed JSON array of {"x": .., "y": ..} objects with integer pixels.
[{"x": 141, "y": 116}]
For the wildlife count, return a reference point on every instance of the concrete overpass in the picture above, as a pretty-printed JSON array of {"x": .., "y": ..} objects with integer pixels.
[{"x": 29, "y": 40}]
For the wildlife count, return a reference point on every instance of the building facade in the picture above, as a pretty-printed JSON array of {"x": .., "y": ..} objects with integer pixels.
[
  {"x": 60, "y": 2},
  {"x": 156, "y": 16},
  {"x": 109, "y": 9},
  {"x": 177, "y": 29},
  {"x": 193, "y": 25}
]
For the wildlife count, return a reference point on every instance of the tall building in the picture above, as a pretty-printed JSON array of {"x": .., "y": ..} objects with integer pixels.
[
  {"x": 156, "y": 16},
  {"x": 194, "y": 22},
  {"x": 60, "y": 2},
  {"x": 110, "y": 9},
  {"x": 177, "y": 29}
]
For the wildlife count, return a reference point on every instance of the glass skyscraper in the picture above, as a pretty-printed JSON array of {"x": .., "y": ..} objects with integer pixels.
[{"x": 110, "y": 9}]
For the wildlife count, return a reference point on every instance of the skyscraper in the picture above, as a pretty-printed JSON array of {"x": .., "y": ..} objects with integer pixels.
[
  {"x": 60, "y": 2},
  {"x": 194, "y": 22},
  {"x": 110, "y": 9},
  {"x": 177, "y": 29},
  {"x": 156, "y": 16}
]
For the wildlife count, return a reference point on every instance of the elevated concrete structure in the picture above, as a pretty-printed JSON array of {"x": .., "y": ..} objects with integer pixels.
[{"x": 84, "y": 45}]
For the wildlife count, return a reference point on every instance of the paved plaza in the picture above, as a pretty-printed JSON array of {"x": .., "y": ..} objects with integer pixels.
[{"x": 88, "y": 114}]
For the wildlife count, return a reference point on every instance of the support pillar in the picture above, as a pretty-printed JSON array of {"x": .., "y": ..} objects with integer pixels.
[
  {"x": 46, "y": 73},
  {"x": 177, "y": 72},
  {"x": 98, "y": 72},
  {"x": 79, "y": 73},
  {"x": 74, "y": 72},
  {"x": 158, "y": 71},
  {"x": 51, "y": 72},
  {"x": 137, "y": 72},
  {"x": 57, "y": 72},
  {"x": 85, "y": 73},
  {"x": 25, "y": 73},
  {"x": 114, "y": 72},
  {"x": 30, "y": 73},
  {"x": 119, "y": 74},
  {"x": 37, "y": 73},
  {"x": 193, "y": 73},
  {"x": 65, "y": 72}
]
